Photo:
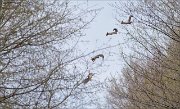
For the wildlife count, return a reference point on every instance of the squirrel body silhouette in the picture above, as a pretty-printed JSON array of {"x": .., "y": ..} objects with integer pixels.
[
  {"x": 129, "y": 20},
  {"x": 97, "y": 56},
  {"x": 89, "y": 77},
  {"x": 115, "y": 30}
]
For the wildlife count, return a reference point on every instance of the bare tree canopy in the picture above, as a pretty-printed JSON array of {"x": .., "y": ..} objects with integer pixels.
[
  {"x": 151, "y": 77},
  {"x": 37, "y": 66}
]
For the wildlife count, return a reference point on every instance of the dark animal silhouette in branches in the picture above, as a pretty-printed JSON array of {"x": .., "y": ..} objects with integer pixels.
[
  {"x": 97, "y": 56},
  {"x": 89, "y": 77},
  {"x": 129, "y": 20},
  {"x": 115, "y": 30}
]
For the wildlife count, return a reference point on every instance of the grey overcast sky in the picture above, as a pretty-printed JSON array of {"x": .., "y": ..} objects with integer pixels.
[{"x": 96, "y": 38}]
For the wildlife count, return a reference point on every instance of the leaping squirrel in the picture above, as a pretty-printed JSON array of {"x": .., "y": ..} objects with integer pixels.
[
  {"x": 129, "y": 20},
  {"x": 97, "y": 56},
  {"x": 115, "y": 30},
  {"x": 89, "y": 77}
]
